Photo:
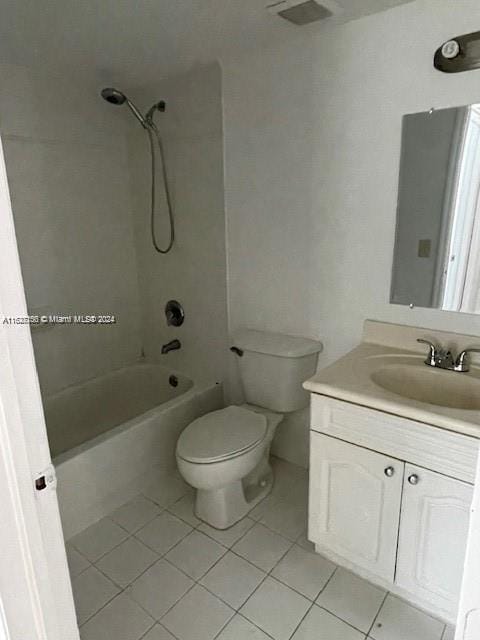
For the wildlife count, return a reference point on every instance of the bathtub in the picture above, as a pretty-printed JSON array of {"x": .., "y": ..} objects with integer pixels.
[{"x": 113, "y": 436}]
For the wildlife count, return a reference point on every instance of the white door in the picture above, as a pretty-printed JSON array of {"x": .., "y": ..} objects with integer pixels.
[
  {"x": 35, "y": 592},
  {"x": 433, "y": 536},
  {"x": 354, "y": 505}
]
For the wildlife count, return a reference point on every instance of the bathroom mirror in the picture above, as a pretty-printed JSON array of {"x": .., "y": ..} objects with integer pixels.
[{"x": 436, "y": 259}]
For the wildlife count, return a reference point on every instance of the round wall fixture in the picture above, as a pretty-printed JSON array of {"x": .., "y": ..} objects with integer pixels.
[
  {"x": 450, "y": 49},
  {"x": 174, "y": 313}
]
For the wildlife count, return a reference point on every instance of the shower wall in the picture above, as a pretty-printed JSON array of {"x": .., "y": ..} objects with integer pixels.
[
  {"x": 194, "y": 272},
  {"x": 67, "y": 167}
]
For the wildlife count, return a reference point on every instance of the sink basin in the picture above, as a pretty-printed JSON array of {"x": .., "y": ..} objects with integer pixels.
[{"x": 433, "y": 386}]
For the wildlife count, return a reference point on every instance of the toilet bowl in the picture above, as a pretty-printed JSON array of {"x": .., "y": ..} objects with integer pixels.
[{"x": 224, "y": 454}]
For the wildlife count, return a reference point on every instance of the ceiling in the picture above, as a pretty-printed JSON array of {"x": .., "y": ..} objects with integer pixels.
[{"x": 136, "y": 41}]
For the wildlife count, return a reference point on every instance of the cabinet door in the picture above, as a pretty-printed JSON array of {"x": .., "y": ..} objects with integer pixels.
[
  {"x": 433, "y": 536},
  {"x": 354, "y": 505}
]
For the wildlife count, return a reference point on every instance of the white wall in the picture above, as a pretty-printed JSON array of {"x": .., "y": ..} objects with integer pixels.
[
  {"x": 312, "y": 147},
  {"x": 68, "y": 174},
  {"x": 194, "y": 272}
]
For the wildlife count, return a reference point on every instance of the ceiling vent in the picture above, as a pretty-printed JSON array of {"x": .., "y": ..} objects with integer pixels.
[{"x": 301, "y": 12}]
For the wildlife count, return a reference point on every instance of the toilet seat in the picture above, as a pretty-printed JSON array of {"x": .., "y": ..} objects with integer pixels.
[{"x": 221, "y": 435}]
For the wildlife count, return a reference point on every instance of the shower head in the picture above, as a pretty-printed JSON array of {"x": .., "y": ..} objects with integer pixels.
[
  {"x": 116, "y": 97},
  {"x": 113, "y": 96}
]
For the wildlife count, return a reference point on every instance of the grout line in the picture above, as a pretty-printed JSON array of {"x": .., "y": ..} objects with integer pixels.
[
  {"x": 252, "y": 594},
  {"x": 190, "y": 588},
  {"x": 326, "y": 584},
  {"x": 147, "y": 522},
  {"x": 154, "y": 625},
  {"x": 107, "y": 552},
  {"x": 341, "y": 619},
  {"x": 255, "y": 625},
  {"x": 161, "y": 554},
  {"x": 301, "y": 620},
  {"x": 103, "y": 607},
  {"x": 377, "y": 614},
  {"x": 90, "y": 564},
  {"x": 234, "y": 613}
]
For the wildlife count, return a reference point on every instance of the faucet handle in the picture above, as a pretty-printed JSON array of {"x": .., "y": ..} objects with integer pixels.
[
  {"x": 432, "y": 353},
  {"x": 461, "y": 363}
]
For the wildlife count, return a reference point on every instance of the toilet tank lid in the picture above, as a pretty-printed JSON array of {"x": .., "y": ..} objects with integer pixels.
[{"x": 276, "y": 344}]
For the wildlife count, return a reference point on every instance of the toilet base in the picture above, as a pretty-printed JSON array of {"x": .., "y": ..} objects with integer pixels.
[{"x": 224, "y": 507}]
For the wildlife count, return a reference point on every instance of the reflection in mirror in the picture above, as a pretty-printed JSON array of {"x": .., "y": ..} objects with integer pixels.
[{"x": 437, "y": 244}]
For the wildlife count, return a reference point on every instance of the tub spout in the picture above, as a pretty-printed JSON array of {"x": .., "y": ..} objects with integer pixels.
[{"x": 171, "y": 346}]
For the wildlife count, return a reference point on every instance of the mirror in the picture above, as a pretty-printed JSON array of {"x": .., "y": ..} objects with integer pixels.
[{"x": 436, "y": 260}]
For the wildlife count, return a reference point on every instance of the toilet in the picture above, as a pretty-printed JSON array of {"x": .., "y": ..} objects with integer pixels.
[{"x": 225, "y": 454}]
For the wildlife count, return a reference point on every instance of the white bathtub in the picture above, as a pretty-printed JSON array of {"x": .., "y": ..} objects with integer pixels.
[{"x": 112, "y": 436}]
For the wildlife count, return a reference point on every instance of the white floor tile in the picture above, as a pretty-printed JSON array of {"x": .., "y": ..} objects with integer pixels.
[
  {"x": 262, "y": 547},
  {"x": 158, "y": 633},
  {"x": 276, "y": 609},
  {"x": 240, "y": 628},
  {"x": 304, "y": 571},
  {"x": 198, "y": 616},
  {"x": 135, "y": 514},
  {"x": 98, "y": 539},
  {"x": 287, "y": 470},
  {"x": 298, "y": 492},
  {"x": 195, "y": 554},
  {"x": 262, "y": 507},
  {"x": 91, "y": 591},
  {"x": 233, "y": 579},
  {"x": 167, "y": 491},
  {"x": 76, "y": 562},
  {"x": 352, "y": 599},
  {"x": 121, "y": 619},
  {"x": 318, "y": 624},
  {"x": 183, "y": 509},
  {"x": 286, "y": 518},
  {"x": 127, "y": 561},
  {"x": 398, "y": 620},
  {"x": 449, "y": 633},
  {"x": 159, "y": 588},
  {"x": 228, "y": 537},
  {"x": 287, "y": 477},
  {"x": 163, "y": 533}
]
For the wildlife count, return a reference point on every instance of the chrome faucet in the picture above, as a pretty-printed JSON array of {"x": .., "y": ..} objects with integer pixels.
[
  {"x": 443, "y": 358},
  {"x": 171, "y": 346},
  {"x": 460, "y": 363}
]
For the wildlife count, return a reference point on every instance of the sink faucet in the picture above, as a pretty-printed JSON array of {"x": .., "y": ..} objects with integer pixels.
[
  {"x": 443, "y": 358},
  {"x": 171, "y": 346}
]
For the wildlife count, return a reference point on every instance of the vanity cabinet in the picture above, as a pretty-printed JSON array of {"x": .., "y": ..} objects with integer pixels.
[
  {"x": 390, "y": 497},
  {"x": 355, "y": 497},
  {"x": 433, "y": 534}
]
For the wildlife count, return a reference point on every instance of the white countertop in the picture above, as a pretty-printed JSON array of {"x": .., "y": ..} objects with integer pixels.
[{"x": 349, "y": 379}]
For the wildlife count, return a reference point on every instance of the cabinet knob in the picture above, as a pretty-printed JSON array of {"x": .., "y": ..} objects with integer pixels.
[
  {"x": 413, "y": 479},
  {"x": 389, "y": 472}
]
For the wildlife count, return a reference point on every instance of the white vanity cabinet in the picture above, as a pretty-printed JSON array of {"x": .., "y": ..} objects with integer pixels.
[
  {"x": 433, "y": 534},
  {"x": 355, "y": 497},
  {"x": 391, "y": 498}
]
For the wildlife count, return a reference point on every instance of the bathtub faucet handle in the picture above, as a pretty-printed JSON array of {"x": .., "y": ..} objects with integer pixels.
[{"x": 173, "y": 345}]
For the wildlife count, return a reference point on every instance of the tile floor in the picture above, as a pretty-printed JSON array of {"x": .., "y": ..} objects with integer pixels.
[{"x": 152, "y": 571}]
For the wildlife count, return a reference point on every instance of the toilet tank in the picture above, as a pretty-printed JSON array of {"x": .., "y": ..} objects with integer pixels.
[{"x": 274, "y": 366}]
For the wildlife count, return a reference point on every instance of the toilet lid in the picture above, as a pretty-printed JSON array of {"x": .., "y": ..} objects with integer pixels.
[{"x": 220, "y": 435}]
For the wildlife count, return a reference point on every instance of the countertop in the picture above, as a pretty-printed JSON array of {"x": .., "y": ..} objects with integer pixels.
[{"x": 349, "y": 379}]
